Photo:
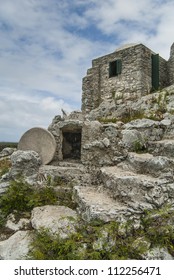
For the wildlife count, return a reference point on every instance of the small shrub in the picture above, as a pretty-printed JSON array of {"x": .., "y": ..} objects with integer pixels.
[
  {"x": 21, "y": 197},
  {"x": 80, "y": 244},
  {"x": 131, "y": 115},
  {"x": 107, "y": 120},
  {"x": 133, "y": 244},
  {"x": 158, "y": 227},
  {"x": 139, "y": 147},
  {"x": 45, "y": 247}
]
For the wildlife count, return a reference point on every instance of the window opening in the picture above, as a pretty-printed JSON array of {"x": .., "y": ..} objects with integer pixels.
[
  {"x": 155, "y": 71},
  {"x": 115, "y": 68}
]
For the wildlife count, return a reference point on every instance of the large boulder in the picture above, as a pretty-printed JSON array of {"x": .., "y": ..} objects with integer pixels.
[
  {"x": 57, "y": 219},
  {"x": 24, "y": 163}
]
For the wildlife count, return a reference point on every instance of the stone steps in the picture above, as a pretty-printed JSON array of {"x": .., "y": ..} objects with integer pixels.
[
  {"x": 127, "y": 186},
  {"x": 95, "y": 203},
  {"x": 76, "y": 174},
  {"x": 163, "y": 147},
  {"x": 156, "y": 166}
]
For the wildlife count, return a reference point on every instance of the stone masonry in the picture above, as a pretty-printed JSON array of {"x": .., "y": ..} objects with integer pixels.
[{"x": 134, "y": 78}]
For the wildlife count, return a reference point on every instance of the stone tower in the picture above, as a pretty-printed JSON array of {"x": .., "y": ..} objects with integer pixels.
[
  {"x": 128, "y": 73},
  {"x": 171, "y": 65}
]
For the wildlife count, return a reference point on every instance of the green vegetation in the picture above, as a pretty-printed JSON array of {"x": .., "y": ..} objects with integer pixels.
[
  {"x": 139, "y": 147},
  {"x": 159, "y": 229},
  {"x": 131, "y": 115},
  {"x": 107, "y": 241},
  {"x": 107, "y": 120},
  {"x": 21, "y": 197}
]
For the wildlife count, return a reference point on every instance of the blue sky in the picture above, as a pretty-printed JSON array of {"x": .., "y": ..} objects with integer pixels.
[{"x": 46, "y": 47}]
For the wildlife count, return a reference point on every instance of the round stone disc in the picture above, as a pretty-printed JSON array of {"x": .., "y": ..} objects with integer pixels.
[{"x": 39, "y": 140}]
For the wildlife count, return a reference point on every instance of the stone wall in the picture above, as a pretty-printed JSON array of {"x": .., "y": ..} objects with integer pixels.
[
  {"x": 171, "y": 65},
  {"x": 134, "y": 81},
  {"x": 100, "y": 143}
]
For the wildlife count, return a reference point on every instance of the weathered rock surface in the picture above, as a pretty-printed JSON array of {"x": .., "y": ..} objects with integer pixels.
[
  {"x": 145, "y": 163},
  {"x": 94, "y": 203},
  {"x": 22, "y": 224},
  {"x": 164, "y": 147},
  {"x": 158, "y": 254},
  {"x": 138, "y": 191},
  {"x": 24, "y": 163},
  {"x": 4, "y": 186},
  {"x": 66, "y": 171},
  {"x": 16, "y": 247},
  {"x": 57, "y": 219},
  {"x": 6, "y": 152}
]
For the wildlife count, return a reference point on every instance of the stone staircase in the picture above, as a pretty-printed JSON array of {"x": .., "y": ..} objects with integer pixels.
[
  {"x": 67, "y": 172},
  {"x": 164, "y": 147},
  {"x": 141, "y": 182}
]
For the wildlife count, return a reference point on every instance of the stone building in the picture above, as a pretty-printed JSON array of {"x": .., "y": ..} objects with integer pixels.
[
  {"x": 96, "y": 135},
  {"x": 127, "y": 73}
]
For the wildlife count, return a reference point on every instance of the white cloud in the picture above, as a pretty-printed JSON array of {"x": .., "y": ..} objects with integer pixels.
[{"x": 146, "y": 21}]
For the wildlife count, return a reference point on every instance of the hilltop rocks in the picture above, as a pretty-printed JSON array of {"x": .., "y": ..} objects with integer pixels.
[{"x": 117, "y": 167}]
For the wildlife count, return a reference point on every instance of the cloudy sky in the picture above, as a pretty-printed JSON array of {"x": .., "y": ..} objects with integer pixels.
[{"x": 46, "y": 47}]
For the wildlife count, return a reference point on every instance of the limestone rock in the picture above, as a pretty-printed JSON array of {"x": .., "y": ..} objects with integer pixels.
[
  {"x": 25, "y": 163},
  {"x": 57, "y": 219},
  {"x": 4, "y": 186},
  {"x": 16, "y": 247},
  {"x": 146, "y": 163},
  {"x": 94, "y": 203},
  {"x": 158, "y": 254},
  {"x": 7, "y": 152},
  {"x": 66, "y": 171},
  {"x": 164, "y": 147},
  {"x": 141, "y": 244},
  {"x": 139, "y": 191},
  {"x": 133, "y": 140},
  {"x": 141, "y": 123},
  {"x": 22, "y": 224}
]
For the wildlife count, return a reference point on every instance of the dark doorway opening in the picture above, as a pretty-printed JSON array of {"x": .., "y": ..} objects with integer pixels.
[{"x": 71, "y": 146}]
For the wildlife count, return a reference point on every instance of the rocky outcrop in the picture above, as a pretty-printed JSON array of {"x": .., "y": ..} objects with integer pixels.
[
  {"x": 122, "y": 169},
  {"x": 24, "y": 163}
]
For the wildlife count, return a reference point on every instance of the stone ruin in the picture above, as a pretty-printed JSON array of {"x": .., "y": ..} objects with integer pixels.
[
  {"x": 129, "y": 72},
  {"x": 119, "y": 150}
]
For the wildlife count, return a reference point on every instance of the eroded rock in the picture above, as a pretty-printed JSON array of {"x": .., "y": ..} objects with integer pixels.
[
  {"x": 16, "y": 247},
  {"x": 24, "y": 163},
  {"x": 57, "y": 219}
]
